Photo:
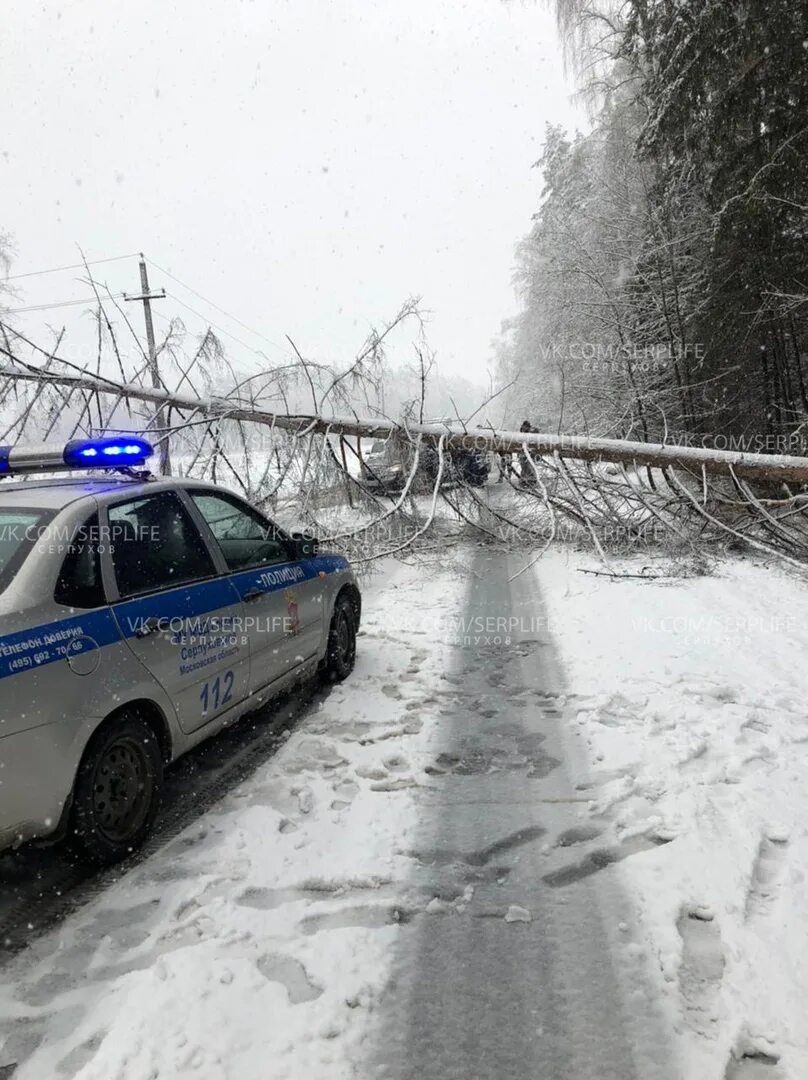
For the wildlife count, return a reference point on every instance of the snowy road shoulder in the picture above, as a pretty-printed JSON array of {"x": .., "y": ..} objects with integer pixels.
[
  {"x": 691, "y": 704},
  {"x": 208, "y": 959}
]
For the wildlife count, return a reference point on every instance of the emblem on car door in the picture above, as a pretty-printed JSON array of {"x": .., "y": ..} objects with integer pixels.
[{"x": 292, "y": 612}]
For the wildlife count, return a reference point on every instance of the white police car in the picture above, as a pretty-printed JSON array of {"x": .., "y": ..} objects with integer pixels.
[{"x": 138, "y": 616}]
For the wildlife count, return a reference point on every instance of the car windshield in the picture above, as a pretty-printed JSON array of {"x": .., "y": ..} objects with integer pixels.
[{"x": 19, "y": 530}]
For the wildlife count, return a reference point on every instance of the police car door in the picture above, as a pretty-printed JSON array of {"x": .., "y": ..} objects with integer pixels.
[
  {"x": 177, "y": 612},
  {"x": 282, "y": 597}
]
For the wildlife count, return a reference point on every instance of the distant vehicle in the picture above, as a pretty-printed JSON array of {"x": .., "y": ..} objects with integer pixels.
[
  {"x": 138, "y": 616},
  {"x": 388, "y": 464},
  {"x": 460, "y": 466},
  {"x": 382, "y": 468}
]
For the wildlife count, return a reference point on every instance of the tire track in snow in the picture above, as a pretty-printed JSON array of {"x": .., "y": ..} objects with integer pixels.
[{"x": 517, "y": 980}]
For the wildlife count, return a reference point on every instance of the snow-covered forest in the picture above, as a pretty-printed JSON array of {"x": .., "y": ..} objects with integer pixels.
[{"x": 664, "y": 282}]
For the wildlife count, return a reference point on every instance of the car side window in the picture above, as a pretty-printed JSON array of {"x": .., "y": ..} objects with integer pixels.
[
  {"x": 79, "y": 584},
  {"x": 244, "y": 536},
  {"x": 156, "y": 545}
]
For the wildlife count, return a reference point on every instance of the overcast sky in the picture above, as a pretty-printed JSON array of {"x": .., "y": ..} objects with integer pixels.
[{"x": 306, "y": 164}]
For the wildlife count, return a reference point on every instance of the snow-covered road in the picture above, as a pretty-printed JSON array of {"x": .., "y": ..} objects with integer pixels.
[
  {"x": 552, "y": 827},
  {"x": 506, "y": 969}
]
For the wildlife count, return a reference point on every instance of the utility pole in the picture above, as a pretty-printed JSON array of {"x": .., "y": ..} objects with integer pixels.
[{"x": 146, "y": 297}]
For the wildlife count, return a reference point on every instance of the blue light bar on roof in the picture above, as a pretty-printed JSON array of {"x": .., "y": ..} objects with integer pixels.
[
  {"x": 106, "y": 453},
  {"x": 112, "y": 453}
]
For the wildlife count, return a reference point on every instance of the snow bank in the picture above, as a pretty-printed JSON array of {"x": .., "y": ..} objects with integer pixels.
[{"x": 691, "y": 703}]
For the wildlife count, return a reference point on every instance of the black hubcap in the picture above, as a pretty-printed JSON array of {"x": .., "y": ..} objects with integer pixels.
[
  {"x": 345, "y": 639},
  {"x": 122, "y": 790}
]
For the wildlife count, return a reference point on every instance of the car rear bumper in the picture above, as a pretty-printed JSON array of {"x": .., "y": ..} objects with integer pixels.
[{"x": 384, "y": 484}]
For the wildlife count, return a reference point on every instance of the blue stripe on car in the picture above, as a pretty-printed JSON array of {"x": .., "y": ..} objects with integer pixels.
[
  {"x": 31, "y": 649},
  {"x": 27, "y": 650}
]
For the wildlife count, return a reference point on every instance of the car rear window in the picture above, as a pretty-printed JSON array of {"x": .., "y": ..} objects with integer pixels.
[
  {"x": 19, "y": 531},
  {"x": 79, "y": 584}
]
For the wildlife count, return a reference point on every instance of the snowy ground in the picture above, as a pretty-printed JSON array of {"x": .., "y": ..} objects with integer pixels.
[
  {"x": 690, "y": 700},
  {"x": 259, "y": 943},
  {"x": 236, "y": 951}
]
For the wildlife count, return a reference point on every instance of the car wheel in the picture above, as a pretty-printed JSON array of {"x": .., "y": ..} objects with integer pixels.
[
  {"x": 341, "y": 655},
  {"x": 117, "y": 790}
]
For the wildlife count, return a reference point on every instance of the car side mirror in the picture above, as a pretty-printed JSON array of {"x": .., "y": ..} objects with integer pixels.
[{"x": 305, "y": 546}]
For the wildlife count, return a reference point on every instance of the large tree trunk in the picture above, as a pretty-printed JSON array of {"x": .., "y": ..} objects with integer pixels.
[{"x": 741, "y": 464}]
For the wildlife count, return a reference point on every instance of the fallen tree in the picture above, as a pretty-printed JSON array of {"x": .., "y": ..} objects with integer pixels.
[
  {"x": 308, "y": 466},
  {"x": 744, "y": 465}
]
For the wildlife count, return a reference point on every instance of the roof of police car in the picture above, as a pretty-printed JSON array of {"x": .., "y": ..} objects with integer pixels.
[{"x": 55, "y": 494}]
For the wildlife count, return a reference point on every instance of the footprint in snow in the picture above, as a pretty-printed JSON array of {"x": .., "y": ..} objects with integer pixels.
[
  {"x": 291, "y": 974},
  {"x": 396, "y": 763},
  {"x": 753, "y": 1059},
  {"x": 263, "y": 898},
  {"x": 351, "y": 731},
  {"x": 578, "y": 834},
  {"x": 374, "y": 733},
  {"x": 609, "y": 719},
  {"x": 346, "y": 789},
  {"x": 275, "y": 794},
  {"x": 313, "y": 755},
  {"x": 766, "y": 874},
  {"x": 399, "y": 784},
  {"x": 753, "y": 1067},
  {"x": 599, "y": 859},
  {"x": 418, "y": 657},
  {"x": 410, "y": 674},
  {"x": 482, "y": 856},
  {"x": 701, "y": 969},
  {"x": 608, "y": 776},
  {"x": 371, "y": 772},
  {"x": 370, "y": 918},
  {"x": 305, "y": 800}
]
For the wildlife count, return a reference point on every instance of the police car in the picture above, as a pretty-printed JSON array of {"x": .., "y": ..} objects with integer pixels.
[{"x": 138, "y": 616}]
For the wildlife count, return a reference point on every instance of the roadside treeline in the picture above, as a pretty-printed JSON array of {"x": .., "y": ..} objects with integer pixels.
[{"x": 664, "y": 283}]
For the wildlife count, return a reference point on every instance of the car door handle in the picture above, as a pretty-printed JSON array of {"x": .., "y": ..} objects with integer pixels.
[
  {"x": 253, "y": 594},
  {"x": 150, "y": 626}
]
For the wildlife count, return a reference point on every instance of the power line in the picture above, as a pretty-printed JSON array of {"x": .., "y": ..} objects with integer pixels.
[
  {"x": 75, "y": 266},
  {"x": 205, "y": 319},
  {"x": 251, "y": 329},
  {"x": 162, "y": 270},
  {"x": 116, "y": 296},
  {"x": 60, "y": 303}
]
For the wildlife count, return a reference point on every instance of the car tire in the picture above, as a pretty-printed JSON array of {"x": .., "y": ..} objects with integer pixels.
[
  {"x": 340, "y": 656},
  {"x": 117, "y": 791}
]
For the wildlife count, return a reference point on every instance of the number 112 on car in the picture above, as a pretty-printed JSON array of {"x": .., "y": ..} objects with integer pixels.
[{"x": 215, "y": 695}]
